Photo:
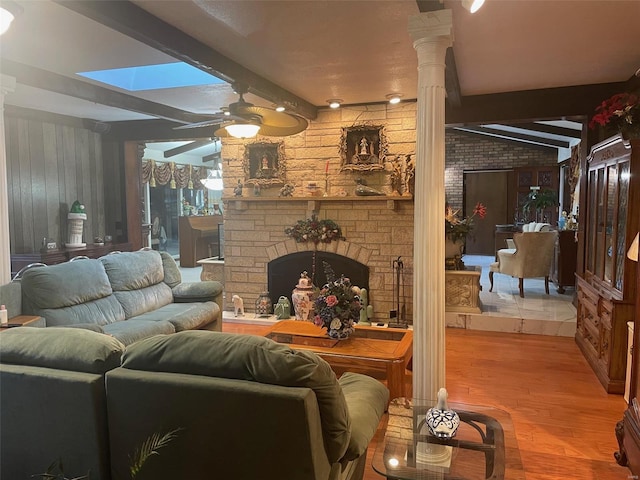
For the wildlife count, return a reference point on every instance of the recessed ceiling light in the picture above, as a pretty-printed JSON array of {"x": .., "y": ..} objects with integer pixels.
[
  {"x": 394, "y": 98},
  {"x": 334, "y": 102},
  {"x": 280, "y": 108}
]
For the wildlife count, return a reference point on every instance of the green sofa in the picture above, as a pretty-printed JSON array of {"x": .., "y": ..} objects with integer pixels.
[
  {"x": 53, "y": 401},
  {"x": 129, "y": 295},
  {"x": 240, "y": 406}
]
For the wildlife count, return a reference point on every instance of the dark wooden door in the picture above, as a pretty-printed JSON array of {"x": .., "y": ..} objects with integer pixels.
[{"x": 489, "y": 188}]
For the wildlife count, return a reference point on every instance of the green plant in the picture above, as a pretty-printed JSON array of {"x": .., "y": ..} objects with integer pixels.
[
  {"x": 456, "y": 228},
  {"x": 55, "y": 471},
  {"x": 314, "y": 230},
  {"x": 149, "y": 448},
  {"x": 539, "y": 200}
]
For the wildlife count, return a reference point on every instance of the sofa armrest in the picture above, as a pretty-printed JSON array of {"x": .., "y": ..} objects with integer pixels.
[
  {"x": 367, "y": 400},
  {"x": 94, "y": 327},
  {"x": 205, "y": 291}
]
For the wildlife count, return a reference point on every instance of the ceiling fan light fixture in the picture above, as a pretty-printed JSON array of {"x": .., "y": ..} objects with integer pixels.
[
  {"x": 242, "y": 130},
  {"x": 279, "y": 107},
  {"x": 394, "y": 98},
  {"x": 334, "y": 102},
  {"x": 472, "y": 5},
  {"x": 213, "y": 180}
]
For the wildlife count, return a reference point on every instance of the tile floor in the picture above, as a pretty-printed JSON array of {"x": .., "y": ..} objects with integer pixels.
[{"x": 502, "y": 310}]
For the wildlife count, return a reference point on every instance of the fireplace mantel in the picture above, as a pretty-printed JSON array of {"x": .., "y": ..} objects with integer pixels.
[{"x": 313, "y": 203}]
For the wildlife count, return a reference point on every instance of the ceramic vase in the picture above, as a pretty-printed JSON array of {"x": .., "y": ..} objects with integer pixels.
[
  {"x": 442, "y": 421},
  {"x": 302, "y": 298},
  {"x": 282, "y": 310}
]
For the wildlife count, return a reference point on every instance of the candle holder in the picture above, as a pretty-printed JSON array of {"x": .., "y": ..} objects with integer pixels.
[{"x": 326, "y": 185}]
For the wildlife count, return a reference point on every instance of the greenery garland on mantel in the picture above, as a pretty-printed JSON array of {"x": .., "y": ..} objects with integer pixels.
[{"x": 314, "y": 230}]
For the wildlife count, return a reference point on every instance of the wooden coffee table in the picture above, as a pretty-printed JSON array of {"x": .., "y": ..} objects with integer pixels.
[{"x": 382, "y": 353}]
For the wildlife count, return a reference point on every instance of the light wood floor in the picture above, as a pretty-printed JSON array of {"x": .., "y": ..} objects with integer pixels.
[{"x": 563, "y": 419}]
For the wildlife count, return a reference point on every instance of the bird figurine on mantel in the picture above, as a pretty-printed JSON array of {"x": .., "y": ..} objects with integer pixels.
[{"x": 442, "y": 422}]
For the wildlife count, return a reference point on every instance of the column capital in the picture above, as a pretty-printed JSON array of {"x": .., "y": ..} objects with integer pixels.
[
  {"x": 430, "y": 25},
  {"x": 7, "y": 84}
]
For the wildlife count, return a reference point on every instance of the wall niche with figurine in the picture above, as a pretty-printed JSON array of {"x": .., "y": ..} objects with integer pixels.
[
  {"x": 264, "y": 163},
  {"x": 363, "y": 148}
]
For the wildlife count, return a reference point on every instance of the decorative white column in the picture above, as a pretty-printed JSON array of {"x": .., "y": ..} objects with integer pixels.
[
  {"x": 432, "y": 34},
  {"x": 7, "y": 85}
]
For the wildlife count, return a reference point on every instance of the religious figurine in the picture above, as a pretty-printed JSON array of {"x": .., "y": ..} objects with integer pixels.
[
  {"x": 237, "y": 191},
  {"x": 265, "y": 162},
  {"x": 364, "y": 146}
]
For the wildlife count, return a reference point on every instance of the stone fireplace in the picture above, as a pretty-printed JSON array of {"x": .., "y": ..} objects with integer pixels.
[{"x": 377, "y": 231}]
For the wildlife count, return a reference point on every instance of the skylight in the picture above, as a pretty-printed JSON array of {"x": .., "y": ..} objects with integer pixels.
[{"x": 153, "y": 77}]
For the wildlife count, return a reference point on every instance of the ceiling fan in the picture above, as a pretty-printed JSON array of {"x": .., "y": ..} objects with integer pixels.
[{"x": 242, "y": 119}]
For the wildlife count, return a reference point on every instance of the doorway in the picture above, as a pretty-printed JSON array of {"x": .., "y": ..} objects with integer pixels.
[{"x": 489, "y": 187}]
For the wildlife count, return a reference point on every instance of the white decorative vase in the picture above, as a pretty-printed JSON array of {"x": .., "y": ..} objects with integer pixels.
[{"x": 442, "y": 421}]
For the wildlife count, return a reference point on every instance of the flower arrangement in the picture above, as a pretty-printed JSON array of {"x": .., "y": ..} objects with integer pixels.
[
  {"x": 314, "y": 230},
  {"x": 337, "y": 305},
  {"x": 621, "y": 111},
  {"x": 457, "y": 228}
]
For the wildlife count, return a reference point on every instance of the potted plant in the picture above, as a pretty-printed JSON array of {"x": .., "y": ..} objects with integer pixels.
[{"x": 538, "y": 201}]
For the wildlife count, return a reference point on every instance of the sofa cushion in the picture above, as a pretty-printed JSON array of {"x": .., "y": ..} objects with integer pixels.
[
  {"x": 71, "y": 349},
  {"x": 137, "y": 281},
  {"x": 367, "y": 400},
  {"x": 197, "y": 291},
  {"x": 249, "y": 357},
  {"x": 69, "y": 293},
  {"x": 130, "y": 331},
  {"x": 184, "y": 316},
  {"x": 172, "y": 276}
]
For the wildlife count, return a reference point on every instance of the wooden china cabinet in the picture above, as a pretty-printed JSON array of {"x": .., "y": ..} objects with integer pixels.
[{"x": 606, "y": 290}]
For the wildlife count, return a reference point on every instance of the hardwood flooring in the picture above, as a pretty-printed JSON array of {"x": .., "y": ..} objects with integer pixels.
[{"x": 563, "y": 419}]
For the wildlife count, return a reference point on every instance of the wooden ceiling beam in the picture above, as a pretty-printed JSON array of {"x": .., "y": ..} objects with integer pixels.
[
  {"x": 187, "y": 147},
  {"x": 155, "y": 130},
  {"x": 135, "y": 22},
  {"x": 511, "y": 141},
  {"x": 496, "y": 132},
  {"x": 551, "y": 129},
  {"x": 53, "y": 82},
  {"x": 543, "y": 104},
  {"x": 212, "y": 157}
]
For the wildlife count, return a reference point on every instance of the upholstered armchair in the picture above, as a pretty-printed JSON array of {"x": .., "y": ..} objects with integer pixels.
[{"x": 531, "y": 258}]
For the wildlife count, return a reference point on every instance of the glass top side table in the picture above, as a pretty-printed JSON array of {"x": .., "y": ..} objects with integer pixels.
[{"x": 484, "y": 447}]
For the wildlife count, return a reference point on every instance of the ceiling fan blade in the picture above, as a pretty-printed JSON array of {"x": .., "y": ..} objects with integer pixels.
[{"x": 206, "y": 123}]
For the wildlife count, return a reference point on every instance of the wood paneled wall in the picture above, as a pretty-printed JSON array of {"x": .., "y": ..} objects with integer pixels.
[{"x": 51, "y": 164}]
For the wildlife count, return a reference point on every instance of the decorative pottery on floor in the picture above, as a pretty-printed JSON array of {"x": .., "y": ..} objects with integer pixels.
[
  {"x": 264, "y": 305},
  {"x": 282, "y": 310},
  {"x": 302, "y": 297},
  {"x": 442, "y": 421}
]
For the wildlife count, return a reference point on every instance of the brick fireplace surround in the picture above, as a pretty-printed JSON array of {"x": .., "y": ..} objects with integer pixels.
[{"x": 376, "y": 229}]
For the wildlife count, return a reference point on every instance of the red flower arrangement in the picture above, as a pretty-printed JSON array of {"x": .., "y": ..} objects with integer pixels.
[
  {"x": 456, "y": 228},
  {"x": 621, "y": 111}
]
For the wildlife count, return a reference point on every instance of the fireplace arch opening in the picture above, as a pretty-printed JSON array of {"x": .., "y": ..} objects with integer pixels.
[{"x": 283, "y": 272}]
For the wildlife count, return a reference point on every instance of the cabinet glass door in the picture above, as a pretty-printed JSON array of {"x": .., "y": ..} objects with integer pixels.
[
  {"x": 609, "y": 232},
  {"x": 621, "y": 234},
  {"x": 600, "y": 224},
  {"x": 591, "y": 211}
]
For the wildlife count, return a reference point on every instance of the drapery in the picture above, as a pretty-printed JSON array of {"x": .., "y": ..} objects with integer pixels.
[{"x": 177, "y": 175}]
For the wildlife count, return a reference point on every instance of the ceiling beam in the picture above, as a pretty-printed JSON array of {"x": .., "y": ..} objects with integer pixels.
[
  {"x": 543, "y": 104},
  {"x": 53, "y": 82},
  {"x": 495, "y": 132},
  {"x": 511, "y": 141},
  {"x": 135, "y": 22},
  {"x": 211, "y": 157},
  {"x": 156, "y": 131},
  {"x": 551, "y": 129},
  {"x": 187, "y": 147}
]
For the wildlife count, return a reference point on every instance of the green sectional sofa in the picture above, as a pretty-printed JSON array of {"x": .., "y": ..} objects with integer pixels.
[
  {"x": 129, "y": 295},
  {"x": 239, "y": 406}
]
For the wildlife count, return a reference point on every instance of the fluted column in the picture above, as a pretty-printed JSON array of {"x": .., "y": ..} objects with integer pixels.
[
  {"x": 432, "y": 34},
  {"x": 7, "y": 85}
]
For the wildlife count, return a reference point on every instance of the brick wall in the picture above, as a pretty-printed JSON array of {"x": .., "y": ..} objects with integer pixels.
[{"x": 473, "y": 152}]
